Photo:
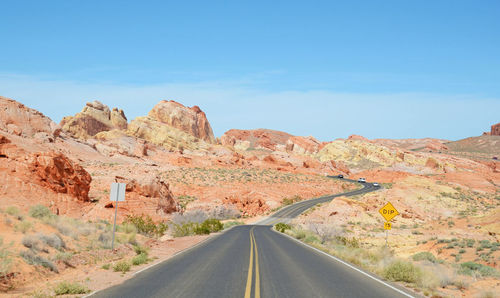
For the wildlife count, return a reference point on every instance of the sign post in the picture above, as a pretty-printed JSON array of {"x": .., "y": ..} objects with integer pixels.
[
  {"x": 117, "y": 194},
  {"x": 388, "y": 212}
]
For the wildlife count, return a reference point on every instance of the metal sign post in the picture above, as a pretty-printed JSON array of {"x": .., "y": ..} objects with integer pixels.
[
  {"x": 388, "y": 212},
  {"x": 117, "y": 194}
]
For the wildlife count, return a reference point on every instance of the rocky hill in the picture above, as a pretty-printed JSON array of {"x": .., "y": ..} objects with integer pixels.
[
  {"x": 94, "y": 118},
  {"x": 272, "y": 140}
]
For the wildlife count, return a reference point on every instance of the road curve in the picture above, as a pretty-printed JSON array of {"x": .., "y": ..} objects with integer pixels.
[
  {"x": 289, "y": 212},
  {"x": 254, "y": 261}
]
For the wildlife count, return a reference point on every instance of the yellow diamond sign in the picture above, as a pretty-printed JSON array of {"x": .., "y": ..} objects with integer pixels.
[{"x": 388, "y": 212}]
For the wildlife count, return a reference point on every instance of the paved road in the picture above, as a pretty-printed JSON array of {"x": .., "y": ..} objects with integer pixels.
[{"x": 253, "y": 261}]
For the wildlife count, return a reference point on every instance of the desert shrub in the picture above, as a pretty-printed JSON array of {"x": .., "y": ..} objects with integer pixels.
[
  {"x": 141, "y": 250},
  {"x": 52, "y": 240},
  {"x": 64, "y": 257},
  {"x": 222, "y": 212},
  {"x": 140, "y": 259},
  {"x": 106, "y": 266},
  {"x": 23, "y": 226},
  {"x": 346, "y": 241},
  {"x": 105, "y": 239},
  {"x": 196, "y": 216},
  {"x": 5, "y": 258},
  {"x": 146, "y": 226},
  {"x": 311, "y": 239},
  {"x": 31, "y": 242},
  {"x": 12, "y": 210},
  {"x": 471, "y": 268},
  {"x": 40, "y": 211},
  {"x": 33, "y": 259},
  {"x": 233, "y": 223},
  {"x": 282, "y": 227},
  {"x": 127, "y": 228},
  {"x": 402, "y": 271},
  {"x": 68, "y": 288},
  {"x": 192, "y": 228},
  {"x": 122, "y": 266},
  {"x": 211, "y": 225},
  {"x": 181, "y": 230},
  {"x": 290, "y": 201},
  {"x": 424, "y": 255}
]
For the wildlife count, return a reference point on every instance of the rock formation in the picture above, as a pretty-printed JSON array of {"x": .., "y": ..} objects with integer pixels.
[
  {"x": 152, "y": 187},
  {"x": 270, "y": 140},
  {"x": 174, "y": 126},
  {"x": 17, "y": 119},
  {"x": 94, "y": 118},
  {"x": 56, "y": 172},
  {"x": 495, "y": 130},
  {"x": 192, "y": 120}
]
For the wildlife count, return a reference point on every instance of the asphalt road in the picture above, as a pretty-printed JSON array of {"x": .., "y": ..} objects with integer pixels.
[{"x": 254, "y": 261}]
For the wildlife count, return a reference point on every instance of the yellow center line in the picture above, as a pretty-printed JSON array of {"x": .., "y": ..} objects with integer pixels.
[
  {"x": 257, "y": 275},
  {"x": 248, "y": 290}
]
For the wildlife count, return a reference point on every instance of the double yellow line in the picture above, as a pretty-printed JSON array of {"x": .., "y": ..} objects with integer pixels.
[{"x": 248, "y": 290}]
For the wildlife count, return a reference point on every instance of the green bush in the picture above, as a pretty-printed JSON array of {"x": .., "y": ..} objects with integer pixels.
[
  {"x": 424, "y": 255},
  {"x": 66, "y": 288},
  {"x": 141, "y": 250},
  {"x": 146, "y": 226},
  {"x": 5, "y": 258},
  {"x": 211, "y": 225},
  {"x": 23, "y": 226},
  {"x": 290, "y": 201},
  {"x": 122, "y": 266},
  {"x": 40, "y": 211},
  {"x": 141, "y": 258},
  {"x": 469, "y": 268},
  {"x": 12, "y": 210},
  {"x": 282, "y": 227},
  {"x": 402, "y": 271},
  {"x": 192, "y": 228},
  {"x": 106, "y": 266}
]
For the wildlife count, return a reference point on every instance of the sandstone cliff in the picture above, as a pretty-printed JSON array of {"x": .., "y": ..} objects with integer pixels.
[
  {"x": 495, "y": 130},
  {"x": 192, "y": 120},
  {"x": 17, "y": 119},
  {"x": 270, "y": 140},
  {"x": 94, "y": 118},
  {"x": 173, "y": 126}
]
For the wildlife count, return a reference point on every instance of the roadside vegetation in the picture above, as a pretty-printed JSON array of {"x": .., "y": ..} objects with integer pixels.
[
  {"x": 423, "y": 271},
  {"x": 47, "y": 244}
]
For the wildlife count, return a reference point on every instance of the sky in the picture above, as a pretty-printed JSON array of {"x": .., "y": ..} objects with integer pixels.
[{"x": 381, "y": 69}]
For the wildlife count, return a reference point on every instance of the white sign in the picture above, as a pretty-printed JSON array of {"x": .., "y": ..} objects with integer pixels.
[{"x": 117, "y": 192}]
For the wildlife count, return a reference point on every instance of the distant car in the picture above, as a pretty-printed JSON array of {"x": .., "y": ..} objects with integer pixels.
[
  {"x": 340, "y": 176},
  {"x": 362, "y": 180},
  {"x": 376, "y": 184}
]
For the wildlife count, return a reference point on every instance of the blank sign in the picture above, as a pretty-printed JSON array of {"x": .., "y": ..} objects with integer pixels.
[{"x": 117, "y": 192}]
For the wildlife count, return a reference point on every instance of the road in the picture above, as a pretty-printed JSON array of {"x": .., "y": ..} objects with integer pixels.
[{"x": 254, "y": 261}]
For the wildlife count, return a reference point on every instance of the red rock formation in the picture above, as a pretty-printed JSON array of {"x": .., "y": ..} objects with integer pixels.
[
  {"x": 303, "y": 145},
  {"x": 249, "y": 207},
  {"x": 257, "y": 139},
  {"x": 17, "y": 119},
  {"x": 190, "y": 120},
  {"x": 152, "y": 187},
  {"x": 495, "y": 130},
  {"x": 56, "y": 172}
]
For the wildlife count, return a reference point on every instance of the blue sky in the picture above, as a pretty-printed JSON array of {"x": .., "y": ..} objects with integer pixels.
[{"x": 382, "y": 69}]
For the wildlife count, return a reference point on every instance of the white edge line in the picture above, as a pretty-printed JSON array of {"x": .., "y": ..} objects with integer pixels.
[
  {"x": 347, "y": 264},
  {"x": 159, "y": 262}
]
